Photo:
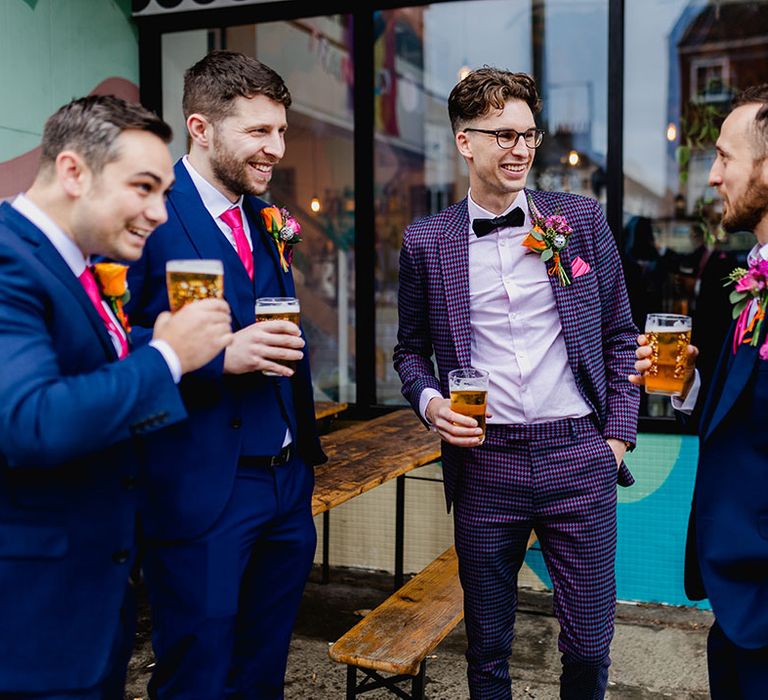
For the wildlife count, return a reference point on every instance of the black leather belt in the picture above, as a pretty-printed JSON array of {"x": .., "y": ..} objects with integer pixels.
[{"x": 278, "y": 460}]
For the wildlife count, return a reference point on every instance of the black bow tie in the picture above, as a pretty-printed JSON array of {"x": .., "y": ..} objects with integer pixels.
[{"x": 482, "y": 227}]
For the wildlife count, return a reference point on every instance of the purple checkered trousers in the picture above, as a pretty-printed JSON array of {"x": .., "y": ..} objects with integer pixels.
[{"x": 559, "y": 479}]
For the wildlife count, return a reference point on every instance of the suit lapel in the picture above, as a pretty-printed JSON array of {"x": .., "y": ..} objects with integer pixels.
[
  {"x": 48, "y": 255},
  {"x": 563, "y": 294},
  {"x": 210, "y": 243},
  {"x": 736, "y": 379},
  {"x": 453, "y": 247}
]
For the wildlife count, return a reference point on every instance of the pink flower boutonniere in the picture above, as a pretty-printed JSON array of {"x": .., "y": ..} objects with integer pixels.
[
  {"x": 749, "y": 285},
  {"x": 113, "y": 285},
  {"x": 549, "y": 237},
  {"x": 285, "y": 231}
]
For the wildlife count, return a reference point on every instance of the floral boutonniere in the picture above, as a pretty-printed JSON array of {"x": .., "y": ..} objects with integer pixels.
[
  {"x": 748, "y": 285},
  {"x": 285, "y": 231},
  {"x": 111, "y": 278},
  {"x": 549, "y": 236}
]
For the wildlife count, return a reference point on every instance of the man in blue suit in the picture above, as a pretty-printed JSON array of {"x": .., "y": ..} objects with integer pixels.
[
  {"x": 230, "y": 535},
  {"x": 727, "y": 551},
  {"x": 70, "y": 412}
]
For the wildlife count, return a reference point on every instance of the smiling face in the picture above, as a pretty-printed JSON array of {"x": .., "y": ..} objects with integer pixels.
[
  {"x": 242, "y": 149},
  {"x": 496, "y": 175},
  {"x": 118, "y": 207},
  {"x": 740, "y": 179}
]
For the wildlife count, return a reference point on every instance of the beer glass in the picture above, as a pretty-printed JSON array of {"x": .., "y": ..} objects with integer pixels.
[
  {"x": 188, "y": 280},
  {"x": 469, "y": 394},
  {"x": 668, "y": 336},
  {"x": 278, "y": 309}
]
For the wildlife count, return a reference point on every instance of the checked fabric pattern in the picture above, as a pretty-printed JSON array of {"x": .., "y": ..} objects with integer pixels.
[{"x": 599, "y": 335}]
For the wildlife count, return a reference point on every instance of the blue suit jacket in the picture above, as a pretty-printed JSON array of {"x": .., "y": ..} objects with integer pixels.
[
  {"x": 193, "y": 466},
  {"x": 598, "y": 331},
  {"x": 727, "y": 553},
  {"x": 68, "y": 416}
]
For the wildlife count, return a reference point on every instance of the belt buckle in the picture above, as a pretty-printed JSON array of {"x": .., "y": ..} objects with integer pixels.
[{"x": 280, "y": 458}]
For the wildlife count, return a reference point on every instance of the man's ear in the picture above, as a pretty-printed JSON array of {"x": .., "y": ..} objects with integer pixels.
[
  {"x": 72, "y": 172},
  {"x": 200, "y": 130},
  {"x": 462, "y": 144}
]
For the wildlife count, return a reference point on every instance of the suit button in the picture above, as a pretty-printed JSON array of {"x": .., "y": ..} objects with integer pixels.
[
  {"x": 236, "y": 423},
  {"x": 121, "y": 556},
  {"x": 129, "y": 483}
]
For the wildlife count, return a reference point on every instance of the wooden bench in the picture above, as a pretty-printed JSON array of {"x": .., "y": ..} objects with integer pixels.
[{"x": 397, "y": 636}]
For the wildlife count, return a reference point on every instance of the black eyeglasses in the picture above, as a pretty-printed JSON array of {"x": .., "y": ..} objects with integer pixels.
[{"x": 508, "y": 138}]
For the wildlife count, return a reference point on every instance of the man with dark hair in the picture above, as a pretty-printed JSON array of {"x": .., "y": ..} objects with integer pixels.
[
  {"x": 230, "y": 535},
  {"x": 727, "y": 547},
  {"x": 554, "y": 331},
  {"x": 70, "y": 412}
]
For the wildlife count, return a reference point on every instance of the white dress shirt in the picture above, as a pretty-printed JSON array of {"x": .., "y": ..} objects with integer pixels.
[
  {"x": 216, "y": 204},
  {"x": 516, "y": 331},
  {"x": 77, "y": 262},
  {"x": 687, "y": 405}
]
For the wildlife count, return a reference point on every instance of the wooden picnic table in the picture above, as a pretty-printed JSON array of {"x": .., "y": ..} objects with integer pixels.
[
  {"x": 366, "y": 455},
  {"x": 329, "y": 409}
]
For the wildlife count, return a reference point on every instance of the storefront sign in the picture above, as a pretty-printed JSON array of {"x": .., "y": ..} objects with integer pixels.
[{"x": 156, "y": 7}]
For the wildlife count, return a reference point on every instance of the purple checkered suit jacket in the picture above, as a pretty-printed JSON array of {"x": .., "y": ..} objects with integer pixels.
[{"x": 600, "y": 337}]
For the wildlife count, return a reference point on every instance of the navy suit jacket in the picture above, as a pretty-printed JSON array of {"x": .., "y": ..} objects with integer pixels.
[
  {"x": 727, "y": 552},
  {"x": 599, "y": 335},
  {"x": 193, "y": 465},
  {"x": 69, "y": 414}
]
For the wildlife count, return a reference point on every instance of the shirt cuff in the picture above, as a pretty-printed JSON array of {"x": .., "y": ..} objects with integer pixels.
[
  {"x": 426, "y": 396},
  {"x": 688, "y": 405},
  {"x": 170, "y": 357}
]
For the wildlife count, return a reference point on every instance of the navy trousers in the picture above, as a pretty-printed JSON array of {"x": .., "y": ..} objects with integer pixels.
[
  {"x": 559, "y": 479},
  {"x": 224, "y": 605},
  {"x": 735, "y": 673}
]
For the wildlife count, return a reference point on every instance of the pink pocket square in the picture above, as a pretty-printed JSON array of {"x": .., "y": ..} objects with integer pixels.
[{"x": 579, "y": 267}]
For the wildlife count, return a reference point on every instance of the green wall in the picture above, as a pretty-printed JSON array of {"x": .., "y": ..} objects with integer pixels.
[{"x": 52, "y": 51}]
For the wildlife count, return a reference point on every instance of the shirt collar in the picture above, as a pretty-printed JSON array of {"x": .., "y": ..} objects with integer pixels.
[
  {"x": 213, "y": 200},
  {"x": 66, "y": 247},
  {"x": 477, "y": 212},
  {"x": 759, "y": 251}
]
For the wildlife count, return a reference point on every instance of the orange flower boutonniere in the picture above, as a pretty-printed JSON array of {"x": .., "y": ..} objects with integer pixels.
[
  {"x": 113, "y": 285},
  {"x": 548, "y": 237},
  {"x": 285, "y": 231}
]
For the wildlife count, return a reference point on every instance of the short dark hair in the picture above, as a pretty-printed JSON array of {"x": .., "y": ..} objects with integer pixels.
[
  {"x": 214, "y": 82},
  {"x": 91, "y": 125},
  {"x": 756, "y": 94},
  {"x": 489, "y": 88}
]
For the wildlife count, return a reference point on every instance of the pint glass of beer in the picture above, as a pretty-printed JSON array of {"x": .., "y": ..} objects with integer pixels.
[
  {"x": 188, "y": 280},
  {"x": 469, "y": 394},
  {"x": 278, "y": 309},
  {"x": 668, "y": 336}
]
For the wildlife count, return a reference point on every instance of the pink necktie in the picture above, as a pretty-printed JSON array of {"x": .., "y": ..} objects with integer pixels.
[
  {"x": 92, "y": 290},
  {"x": 234, "y": 219}
]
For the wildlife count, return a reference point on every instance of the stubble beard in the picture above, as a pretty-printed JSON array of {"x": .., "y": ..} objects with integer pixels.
[
  {"x": 747, "y": 212},
  {"x": 233, "y": 174}
]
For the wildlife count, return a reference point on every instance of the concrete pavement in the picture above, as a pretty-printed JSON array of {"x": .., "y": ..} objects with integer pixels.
[{"x": 658, "y": 652}]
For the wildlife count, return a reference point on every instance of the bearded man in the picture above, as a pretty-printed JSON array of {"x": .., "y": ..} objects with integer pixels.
[
  {"x": 230, "y": 535},
  {"x": 727, "y": 548}
]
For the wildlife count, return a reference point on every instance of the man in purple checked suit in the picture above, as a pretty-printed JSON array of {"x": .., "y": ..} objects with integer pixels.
[{"x": 558, "y": 340}]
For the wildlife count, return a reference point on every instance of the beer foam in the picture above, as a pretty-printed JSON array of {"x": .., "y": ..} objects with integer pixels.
[
  {"x": 285, "y": 308},
  {"x": 198, "y": 267},
  {"x": 660, "y": 324}
]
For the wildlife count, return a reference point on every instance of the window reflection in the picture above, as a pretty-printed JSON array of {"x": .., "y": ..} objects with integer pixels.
[
  {"x": 685, "y": 59},
  {"x": 420, "y": 53},
  {"x": 315, "y": 178}
]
